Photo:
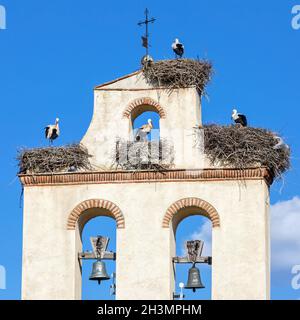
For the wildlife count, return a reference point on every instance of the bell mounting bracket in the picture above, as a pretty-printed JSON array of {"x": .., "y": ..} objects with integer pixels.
[
  {"x": 194, "y": 250},
  {"x": 99, "y": 245}
]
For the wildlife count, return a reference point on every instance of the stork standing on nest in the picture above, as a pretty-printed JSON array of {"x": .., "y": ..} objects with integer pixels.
[
  {"x": 239, "y": 118},
  {"x": 143, "y": 131},
  {"x": 178, "y": 48},
  {"x": 52, "y": 131}
]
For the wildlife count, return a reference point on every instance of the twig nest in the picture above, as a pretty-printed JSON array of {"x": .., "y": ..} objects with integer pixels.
[
  {"x": 67, "y": 158},
  {"x": 179, "y": 73},
  {"x": 243, "y": 147}
]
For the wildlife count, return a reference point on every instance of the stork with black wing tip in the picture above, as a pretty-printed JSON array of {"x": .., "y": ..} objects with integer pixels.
[
  {"x": 178, "y": 48},
  {"x": 239, "y": 118},
  {"x": 52, "y": 131}
]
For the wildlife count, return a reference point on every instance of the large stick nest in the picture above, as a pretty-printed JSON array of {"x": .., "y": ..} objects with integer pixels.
[
  {"x": 178, "y": 73},
  {"x": 147, "y": 155},
  {"x": 243, "y": 147},
  {"x": 67, "y": 158}
]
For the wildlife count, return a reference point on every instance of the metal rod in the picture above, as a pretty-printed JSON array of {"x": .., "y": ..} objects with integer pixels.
[
  {"x": 146, "y": 22},
  {"x": 147, "y": 35},
  {"x": 87, "y": 255},
  {"x": 207, "y": 260}
]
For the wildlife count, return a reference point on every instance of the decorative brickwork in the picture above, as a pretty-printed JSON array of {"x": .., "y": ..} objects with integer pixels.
[
  {"x": 96, "y": 203},
  {"x": 208, "y": 210},
  {"x": 118, "y": 176},
  {"x": 133, "y": 108}
]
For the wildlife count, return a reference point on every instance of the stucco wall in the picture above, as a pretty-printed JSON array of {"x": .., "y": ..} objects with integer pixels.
[
  {"x": 182, "y": 108},
  {"x": 144, "y": 248}
]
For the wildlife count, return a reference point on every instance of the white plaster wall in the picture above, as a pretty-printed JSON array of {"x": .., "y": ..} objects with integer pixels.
[
  {"x": 144, "y": 248},
  {"x": 183, "y": 111},
  {"x": 49, "y": 267},
  {"x": 241, "y": 258}
]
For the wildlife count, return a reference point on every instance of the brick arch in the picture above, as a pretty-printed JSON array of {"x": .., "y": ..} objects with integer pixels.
[
  {"x": 112, "y": 209},
  {"x": 134, "y": 108},
  {"x": 206, "y": 210}
]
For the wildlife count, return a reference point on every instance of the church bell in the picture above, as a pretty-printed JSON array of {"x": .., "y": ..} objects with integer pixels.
[
  {"x": 194, "y": 279},
  {"x": 99, "y": 272}
]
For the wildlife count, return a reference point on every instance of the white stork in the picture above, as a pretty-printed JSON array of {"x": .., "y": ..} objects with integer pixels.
[
  {"x": 52, "y": 131},
  {"x": 178, "y": 48},
  {"x": 239, "y": 118},
  {"x": 280, "y": 143},
  {"x": 143, "y": 131}
]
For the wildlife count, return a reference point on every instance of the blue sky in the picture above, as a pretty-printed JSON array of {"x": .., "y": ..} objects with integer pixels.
[{"x": 54, "y": 52}]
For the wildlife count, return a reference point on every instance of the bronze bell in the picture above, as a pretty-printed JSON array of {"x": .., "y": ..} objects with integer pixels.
[
  {"x": 99, "y": 272},
  {"x": 194, "y": 280}
]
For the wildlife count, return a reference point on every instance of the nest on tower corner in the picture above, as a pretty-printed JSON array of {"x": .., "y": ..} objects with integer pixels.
[
  {"x": 178, "y": 73},
  {"x": 244, "y": 147},
  {"x": 69, "y": 158}
]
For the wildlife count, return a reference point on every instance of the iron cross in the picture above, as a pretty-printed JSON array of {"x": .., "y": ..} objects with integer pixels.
[{"x": 145, "y": 38}]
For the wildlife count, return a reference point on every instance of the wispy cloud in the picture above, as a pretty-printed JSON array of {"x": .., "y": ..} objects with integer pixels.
[
  {"x": 285, "y": 234},
  {"x": 203, "y": 233}
]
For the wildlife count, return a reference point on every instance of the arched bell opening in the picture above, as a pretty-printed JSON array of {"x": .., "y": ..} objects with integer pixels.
[
  {"x": 105, "y": 226},
  {"x": 90, "y": 214},
  {"x": 84, "y": 221},
  {"x": 193, "y": 227},
  {"x": 140, "y": 110},
  {"x": 189, "y": 219}
]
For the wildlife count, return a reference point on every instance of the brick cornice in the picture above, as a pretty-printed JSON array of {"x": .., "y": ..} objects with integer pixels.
[{"x": 171, "y": 175}]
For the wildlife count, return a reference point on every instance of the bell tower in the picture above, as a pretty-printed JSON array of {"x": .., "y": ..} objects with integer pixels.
[{"x": 146, "y": 203}]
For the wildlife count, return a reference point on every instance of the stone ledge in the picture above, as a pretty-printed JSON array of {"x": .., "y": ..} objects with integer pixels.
[{"x": 171, "y": 175}]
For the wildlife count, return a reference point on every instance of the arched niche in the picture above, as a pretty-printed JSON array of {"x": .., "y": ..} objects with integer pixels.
[{"x": 142, "y": 105}]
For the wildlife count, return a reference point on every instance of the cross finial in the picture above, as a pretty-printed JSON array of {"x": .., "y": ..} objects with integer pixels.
[{"x": 145, "y": 38}]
